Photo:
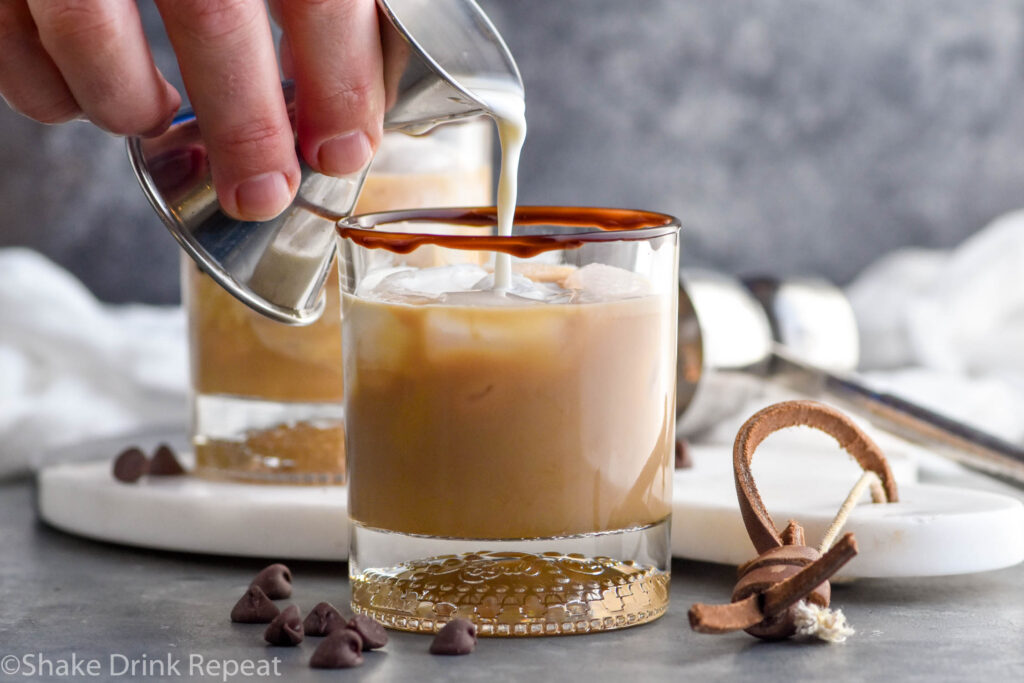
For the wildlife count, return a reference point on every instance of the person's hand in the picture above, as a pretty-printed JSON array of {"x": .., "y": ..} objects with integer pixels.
[{"x": 68, "y": 59}]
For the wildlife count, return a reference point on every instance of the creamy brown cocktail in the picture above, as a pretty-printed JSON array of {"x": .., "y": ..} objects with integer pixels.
[
  {"x": 267, "y": 402},
  {"x": 530, "y": 419},
  {"x": 509, "y": 443}
]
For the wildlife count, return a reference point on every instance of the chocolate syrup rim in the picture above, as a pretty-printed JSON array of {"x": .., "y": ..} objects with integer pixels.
[{"x": 610, "y": 225}]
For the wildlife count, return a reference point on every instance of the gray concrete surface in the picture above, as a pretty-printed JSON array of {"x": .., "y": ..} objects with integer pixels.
[
  {"x": 791, "y": 136},
  {"x": 62, "y": 596}
]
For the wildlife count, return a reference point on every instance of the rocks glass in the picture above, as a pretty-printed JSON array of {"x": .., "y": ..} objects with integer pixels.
[{"x": 510, "y": 450}]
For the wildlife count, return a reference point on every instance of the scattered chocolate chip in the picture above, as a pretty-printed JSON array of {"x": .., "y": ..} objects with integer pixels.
[
  {"x": 457, "y": 637},
  {"x": 130, "y": 465},
  {"x": 343, "y": 649},
  {"x": 370, "y": 630},
  {"x": 323, "y": 619},
  {"x": 286, "y": 628},
  {"x": 683, "y": 459},
  {"x": 165, "y": 463},
  {"x": 275, "y": 580},
  {"x": 254, "y": 608}
]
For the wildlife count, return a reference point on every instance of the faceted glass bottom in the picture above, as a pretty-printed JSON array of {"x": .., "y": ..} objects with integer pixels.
[{"x": 541, "y": 587}]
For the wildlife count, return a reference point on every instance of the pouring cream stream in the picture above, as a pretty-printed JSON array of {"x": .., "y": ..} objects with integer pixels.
[{"x": 508, "y": 109}]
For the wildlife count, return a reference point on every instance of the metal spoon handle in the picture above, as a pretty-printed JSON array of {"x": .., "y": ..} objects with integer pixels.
[{"x": 943, "y": 435}]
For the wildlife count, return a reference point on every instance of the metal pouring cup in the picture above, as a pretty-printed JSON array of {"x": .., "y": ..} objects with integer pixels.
[{"x": 435, "y": 52}]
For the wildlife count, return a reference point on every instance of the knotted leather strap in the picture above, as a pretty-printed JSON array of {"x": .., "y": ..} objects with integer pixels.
[{"x": 760, "y": 526}]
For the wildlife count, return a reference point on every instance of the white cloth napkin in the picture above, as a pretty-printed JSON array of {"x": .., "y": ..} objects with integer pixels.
[
  {"x": 946, "y": 328},
  {"x": 73, "y": 368}
]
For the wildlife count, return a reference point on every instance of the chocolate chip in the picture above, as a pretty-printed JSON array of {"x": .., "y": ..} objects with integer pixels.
[
  {"x": 370, "y": 630},
  {"x": 130, "y": 465},
  {"x": 286, "y": 628},
  {"x": 275, "y": 580},
  {"x": 323, "y": 619},
  {"x": 165, "y": 463},
  {"x": 457, "y": 637},
  {"x": 683, "y": 459},
  {"x": 254, "y": 608},
  {"x": 343, "y": 649}
]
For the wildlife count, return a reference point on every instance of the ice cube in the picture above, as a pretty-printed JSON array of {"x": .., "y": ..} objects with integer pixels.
[
  {"x": 485, "y": 326},
  {"x": 524, "y": 290},
  {"x": 597, "y": 282},
  {"x": 423, "y": 285},
  {"x": 373, "y": 279}
]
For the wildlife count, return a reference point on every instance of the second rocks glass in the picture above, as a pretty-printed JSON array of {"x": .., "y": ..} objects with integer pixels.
[{"x": 267, "y": 397}]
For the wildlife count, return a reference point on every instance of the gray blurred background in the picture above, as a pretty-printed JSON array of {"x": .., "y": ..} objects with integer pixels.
[{"x": 790, "y": 136}]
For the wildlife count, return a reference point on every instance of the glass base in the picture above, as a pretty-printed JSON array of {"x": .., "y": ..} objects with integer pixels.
[
  {"x": 543, "y": 587},
  {"x": 272, "y": 442}
]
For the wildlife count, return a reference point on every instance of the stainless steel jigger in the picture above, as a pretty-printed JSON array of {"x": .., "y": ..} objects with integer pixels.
[{"x": 434, "y": 52}]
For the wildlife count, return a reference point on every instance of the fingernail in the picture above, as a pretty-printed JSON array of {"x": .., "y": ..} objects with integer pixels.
[
  {"x": 262, "y": 197},
  {"x": 344, "y": 154}
]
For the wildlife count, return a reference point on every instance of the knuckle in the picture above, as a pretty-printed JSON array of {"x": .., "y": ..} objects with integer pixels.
[
  {"x": 214, "y": 20},
  {"x": 351, "y": 96},
  {"x": 69, "y": 19},
  {"x": 253, "y": 136}
]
